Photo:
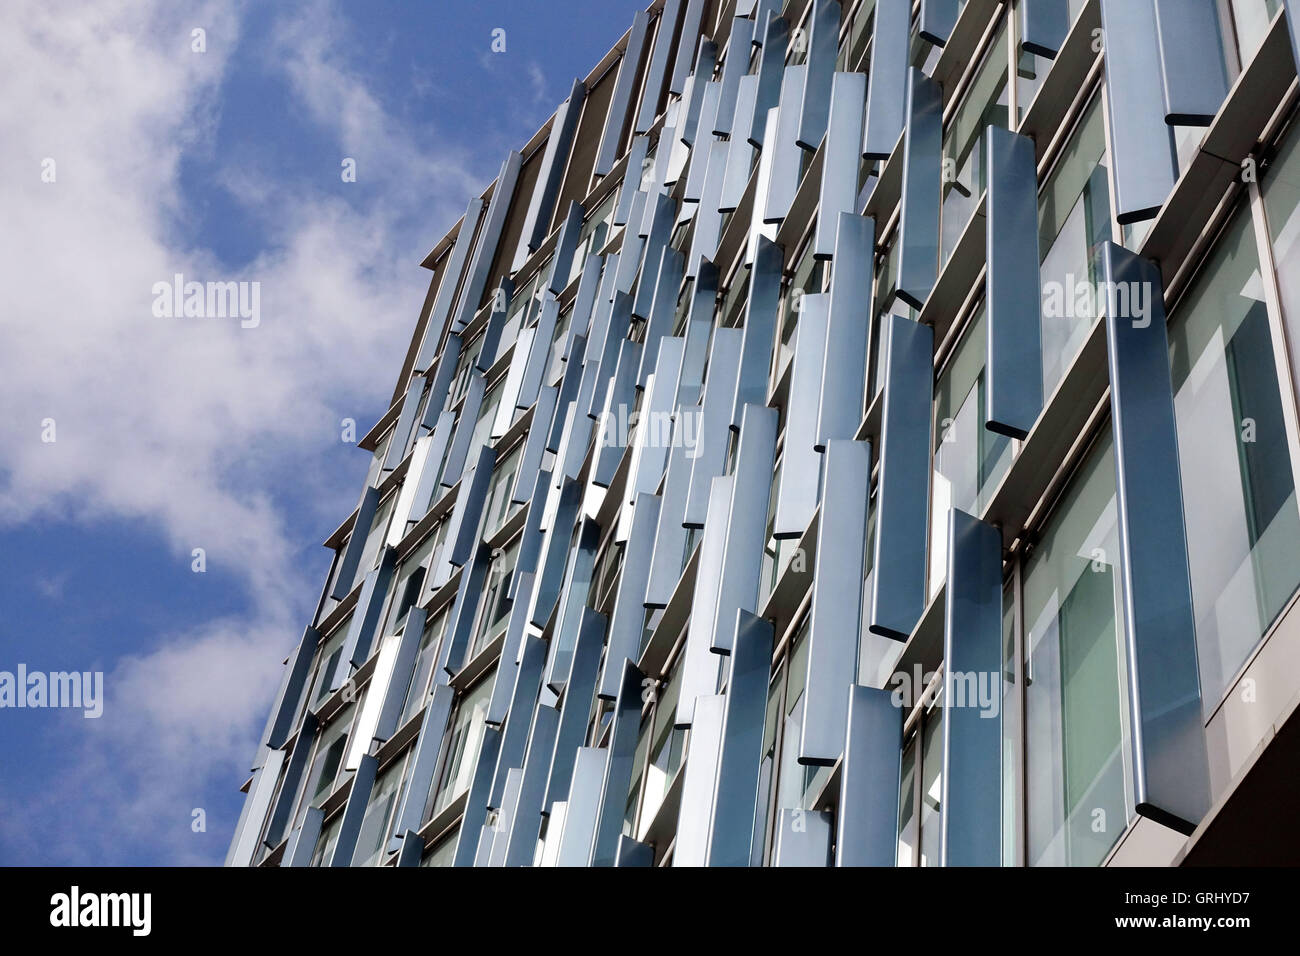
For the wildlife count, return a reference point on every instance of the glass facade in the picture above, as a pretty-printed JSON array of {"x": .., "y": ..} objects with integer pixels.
[{"x": 1063, "y": 626}]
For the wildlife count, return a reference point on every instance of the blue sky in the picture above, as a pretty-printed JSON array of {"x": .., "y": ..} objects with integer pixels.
[{"x": 126, "y": 156}]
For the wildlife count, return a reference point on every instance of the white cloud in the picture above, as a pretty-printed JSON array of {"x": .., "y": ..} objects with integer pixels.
[{"x": 191, "y": 426}]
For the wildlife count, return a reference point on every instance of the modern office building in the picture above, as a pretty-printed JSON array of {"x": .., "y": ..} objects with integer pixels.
[{"x": 847, "y": 433}]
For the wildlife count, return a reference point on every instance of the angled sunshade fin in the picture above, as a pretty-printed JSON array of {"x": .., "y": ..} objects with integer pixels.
[
  {"x": 887, "y": 78},
  {"x": 1171, "y": 772},
  {"x": 351, "y": 557},
  {"x": 938, "y": 17},
  {"x": 1014, "y": 360},
  {"x": 566, "y": 244},
  {"x": 621, "y": 98},
  {"x": 918, "y": 230},
  {"x": 1193, "y": 72},
  {"x": 537, "y": 221},
  {"x": 848, "y": 331},
  {"x": 868, "y": 811},
  {"x": 902, "y": 507},
  {"x": 822, "y": 46},
  {"x": 841, "y": 159},
  {"x": 485, "y": 249},
  {"x": 1143, "y": 158},
  {"x": 487, "y": 353},
  {"x": 453, "y": 266},
  {"x": 971, "y": 803},
  {"x": 1044, "y": 25},
  {"x": 657, "y": 68},
  {"x": 775, "y": 34},
  {"x": 796, "y": 495},
  {"x": 836, "y": 615}
]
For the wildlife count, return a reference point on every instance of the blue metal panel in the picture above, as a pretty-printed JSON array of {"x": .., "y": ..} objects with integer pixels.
[
  {"x": 508, "y": 668},
  {"x": 521, "y": 846},
  {"x": 740, "y": 154},
  {"x": 903, "y": 505},
  {"x": 1192, "y": 69},
  {"x": 530, "y": 541},
  {"x": 699, "y": 780},
  {"x": 796, "y": 496},
  {"x": 298, "y": 668},
  {"x": 575, "y": 708},
  {"x": 302, "y": 844},
  {"x": 742, "y": 560},
  {"x": 702, "y": 142},
  {"x": 441, "y": 381},
  {"x": 918, "y": 231},
  {"x": 760, "y": 329},
  {"x": 399, "y": 681},
  {"x": 573, "y": 598},
  {"x": 1171, "y": 768},
  {"x": 627, "y": 623},
  {"x": 356, "y": 544},
  {"x": 823, "y": 44},
  {"x": 584, "y": 300},
  {"x": 658, "y": 254},
  {"x": 665, "y": 279},
  {"x": 616, "y": 118},
  {"x": 405, "y": 422},
  {"x": 887, "y": 80},
  {"x": 836, "y": 619},
  {"x": 708, "y": 219},
  {"x": 614, "y": 320},
  {"x": 411, "y": 851},
  {"x": 487, "y": 353},
  {"x": 740, "y": 752},
  {"x": 848, "y": 331},
  {"x": 699, "y": 663},
  {"x": 514, "y": 733},
  {"x": 867, "y": 831},
  {"x": 454, "y": 470},
  {"x": 469, "y": 506},
  {"x": 1044, "y": 25},
  {"x": 440, "y": 311},
  {"x": 619, "y": 767},
  {"x": 684, "y": 59},
  {"x": 651, "y": 449},
  {"x": 971, "y": 819},
  {"x": 460, "y": 626},
  {"x": 619, "y": 404},
  {"x": 657, "y": 68},
  {"x": 477, "y": 799},
  {"x": 715, "y": 417},
  {"x": 1014, "y": 360},
  {"x": 632, "y": 853},
  {"x": 485, "y": 249},
  {"x": 584, "y": 807},
  {"x": 937, "y": 19},
  {"x": 570, "y": 383},
  {"x": 363, "y": 782},
  {"x": 539, "y": 355},
  {"x": 550, "y": 570},
  {"x": 699, "y": 330},
  {"x": 803, "y": 838},
  {"x": 365, "y": 619},
  {"x": 424, "y": 762},
  {"x": 736, "y": 65},
  {"x": 1143, "y": 158},
  {"x": 669, "y": 543},
  {"x": 427, "y": 481},
  {"x": 787, "y": 159},
  {"x": 693, "y": 104},
  {"x": 627, "y": 190},
  {"x": 843, "y": 156},
  {"x": 775, "y": 33},
  {"x": 537, "y": 222},
  {"x": 530, "y": 459},
  {"x": 566, "y": 244},
  {"x": 295, "y": 767}
]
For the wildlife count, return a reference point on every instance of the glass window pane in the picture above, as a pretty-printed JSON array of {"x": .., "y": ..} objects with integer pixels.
[
  {"x": 1243, "y": 526},
  {"x": 1076, "y": 798},
  {"x": 460, "y": 752}
]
